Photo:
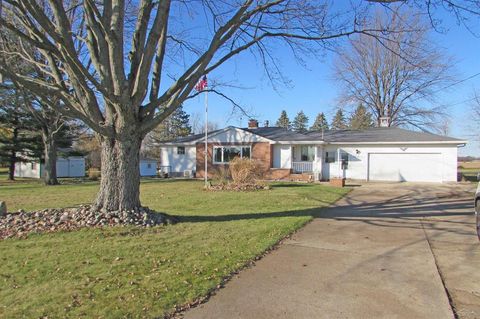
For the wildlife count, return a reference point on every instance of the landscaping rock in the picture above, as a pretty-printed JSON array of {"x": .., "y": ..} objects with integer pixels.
[{"x": 21, "y": 223}]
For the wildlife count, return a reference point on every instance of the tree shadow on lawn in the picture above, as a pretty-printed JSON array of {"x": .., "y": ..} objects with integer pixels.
[{"x": 401, "y": 211}]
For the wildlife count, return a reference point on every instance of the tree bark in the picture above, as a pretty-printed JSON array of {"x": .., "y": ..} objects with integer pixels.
[
  {"x": 13, "y": 157},
  {"x": 11, "y": 166},
  {"x": 120, "y": 180},
  {"x": 50, "y": 174}
]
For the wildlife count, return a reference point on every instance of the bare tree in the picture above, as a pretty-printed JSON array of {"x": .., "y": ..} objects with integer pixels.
[
  {"x": 466, "y": 12},
  {"x": 396, "y": 77},
  {"x": 42, "y": 108},
  {"x": 474, "y": 102},
  {"x": 84, "y": 45},
  {"x": 51, "y": 123}
]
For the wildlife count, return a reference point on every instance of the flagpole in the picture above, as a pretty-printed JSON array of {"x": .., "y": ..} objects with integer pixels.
[{"x": 206, "y": 139}]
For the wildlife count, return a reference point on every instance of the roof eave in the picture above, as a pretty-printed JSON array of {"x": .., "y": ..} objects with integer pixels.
[
  {"x": 459, "y": 142},
  {"x": 299, "y": 142}
]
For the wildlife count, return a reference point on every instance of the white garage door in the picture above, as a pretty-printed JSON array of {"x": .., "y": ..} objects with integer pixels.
[{"x": 403, "y": 167}]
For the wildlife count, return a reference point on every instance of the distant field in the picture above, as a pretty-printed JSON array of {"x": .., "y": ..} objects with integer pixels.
[{"x": 469, "y": 165}]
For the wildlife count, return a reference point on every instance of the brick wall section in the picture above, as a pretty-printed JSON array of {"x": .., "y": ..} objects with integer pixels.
[
  {"x": 261, "y": 151},
  {"x": 303, "y": 177},
  {"x": 278, "y": 174}
]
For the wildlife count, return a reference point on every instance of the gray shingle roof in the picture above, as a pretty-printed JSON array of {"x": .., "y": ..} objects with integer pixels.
[
  {"x": 379, "y": 134},
  {"x": 276, "y": 133},
  {"x": 371, "y": 135},
  {"x": 189, "y": 138}
]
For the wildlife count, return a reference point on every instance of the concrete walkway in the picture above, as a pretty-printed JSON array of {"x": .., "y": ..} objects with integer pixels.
[{"x": 384, "y": 251}]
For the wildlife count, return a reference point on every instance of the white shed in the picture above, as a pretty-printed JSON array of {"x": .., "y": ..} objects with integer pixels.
[
  {"x": 72, "y": 166},
  {"x": 148, "y": 167}
]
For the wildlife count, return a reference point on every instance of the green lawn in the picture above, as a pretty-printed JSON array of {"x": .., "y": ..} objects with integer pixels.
[
  {"x": 130, "y": 272},
  {"x": 470, "y": 174}
]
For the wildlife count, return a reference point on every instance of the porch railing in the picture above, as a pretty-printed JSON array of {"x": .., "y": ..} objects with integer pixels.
[{"x": 302, "y": 167}]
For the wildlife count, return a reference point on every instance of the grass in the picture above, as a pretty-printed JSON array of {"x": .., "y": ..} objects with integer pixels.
[
  {"x": 469, "y": 174},
  {"x": 130, "y": 272}
]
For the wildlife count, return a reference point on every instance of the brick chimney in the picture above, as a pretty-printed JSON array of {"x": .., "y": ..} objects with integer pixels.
[{"x": 252, "y": 124}]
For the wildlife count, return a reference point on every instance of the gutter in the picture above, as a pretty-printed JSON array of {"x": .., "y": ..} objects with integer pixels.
[{"x": 400, "y": 143}]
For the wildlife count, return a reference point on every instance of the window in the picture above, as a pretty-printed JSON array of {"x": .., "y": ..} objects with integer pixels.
[
  {"x": 181, "y": 150},
  {"x": 149, "y": 165},
  {"x": 307, "y": 153},
  {"x": 218, "y": 154},
  {"x": 329, "y": 157},
  {"x": 34, "y": 166},
  {"x": 224, "y": 154},
  {"x": 246, "y": 151}
]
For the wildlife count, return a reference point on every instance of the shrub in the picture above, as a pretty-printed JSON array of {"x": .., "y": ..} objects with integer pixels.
[
  {"x": 221, "y": 175},
  {"x": 244, "y": 171},
  {"x": 242, "y": 174}
]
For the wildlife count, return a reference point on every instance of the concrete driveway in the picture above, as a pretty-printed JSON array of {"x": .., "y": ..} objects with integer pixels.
[{"x": 384, "y": 251}]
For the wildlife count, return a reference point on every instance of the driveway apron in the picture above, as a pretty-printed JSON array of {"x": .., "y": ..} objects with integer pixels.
[{"x": 385, "y": 250}]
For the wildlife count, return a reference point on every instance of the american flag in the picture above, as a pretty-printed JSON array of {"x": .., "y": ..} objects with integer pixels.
[{"x": 202, "y": 84}]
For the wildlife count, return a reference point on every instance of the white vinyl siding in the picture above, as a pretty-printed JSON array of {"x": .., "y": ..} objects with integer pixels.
[{"x": 178, "y": 163}]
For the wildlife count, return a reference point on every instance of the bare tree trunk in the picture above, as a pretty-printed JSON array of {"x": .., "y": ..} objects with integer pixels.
[
  {"x": 50, "y": 174},
  {"x": 11, "y": 166},
  {"x": 120, "y": 181},
  {"x": 13, "y": 157}
]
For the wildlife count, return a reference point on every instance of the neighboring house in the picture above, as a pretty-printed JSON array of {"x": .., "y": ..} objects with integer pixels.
[
  {"x": 376, "y": 154},
  {"x": 148, "y": 167},
  {"x": 71, "y": 166}
]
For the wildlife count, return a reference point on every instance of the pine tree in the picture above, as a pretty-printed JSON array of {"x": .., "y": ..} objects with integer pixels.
[
  {"x": 361, "y": 118},
  {"x": 176, "y": 125},
  {"x": 320, "y": 123},
  {"x": 20, "y": 140},
  {"x": 283, "y": 120},
  {"x": 300, "y": 122},
  {"x": 339, "y": 122},
  {"x": 179, "y": 123}
]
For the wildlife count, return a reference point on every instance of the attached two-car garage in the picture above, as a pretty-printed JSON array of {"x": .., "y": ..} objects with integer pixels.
[{"x": 401, "y": 167}]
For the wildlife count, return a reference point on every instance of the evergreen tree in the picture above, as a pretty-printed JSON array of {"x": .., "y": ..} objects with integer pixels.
[
  {"x": 361, "y": 118},
  {"x": 320, "y": 123},
  {"x": 300, "y": 122},
  {"x": 20, "y": 140},
  {"x": 339, "y": 122},
  {"x": 176, "y": 125},
  {"x": 283, "y": 120}
]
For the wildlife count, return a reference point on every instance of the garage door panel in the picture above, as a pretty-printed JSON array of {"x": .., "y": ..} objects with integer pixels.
[{"x": 404, "y": 167}]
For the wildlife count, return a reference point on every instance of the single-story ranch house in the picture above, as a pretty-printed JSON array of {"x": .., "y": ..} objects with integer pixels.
[{"x": 376, "y": 154}]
